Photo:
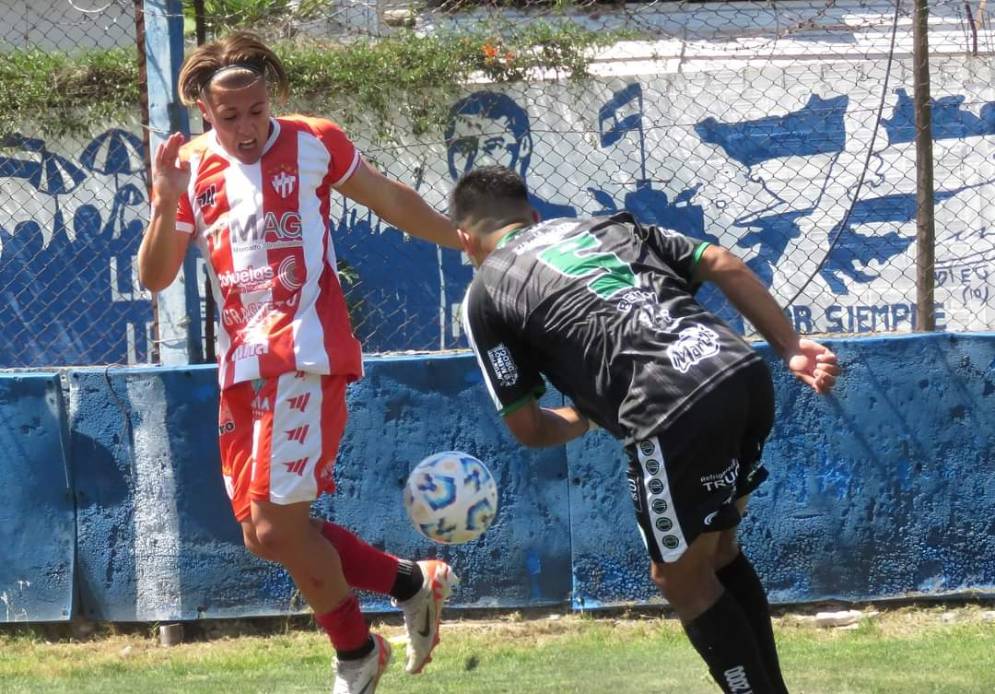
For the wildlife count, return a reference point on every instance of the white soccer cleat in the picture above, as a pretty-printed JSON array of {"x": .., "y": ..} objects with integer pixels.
[
  {"x": 423, "y": 612},
  {"x": 361, "y": 676}
]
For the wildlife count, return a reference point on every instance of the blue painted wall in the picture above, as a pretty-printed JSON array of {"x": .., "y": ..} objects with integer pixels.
[
  {"x": 886, "y": 489},
  {"x": 37, "y": 516}
]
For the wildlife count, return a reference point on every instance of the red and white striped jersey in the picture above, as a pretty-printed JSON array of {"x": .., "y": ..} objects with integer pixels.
[{"x": 264, "y": 229}]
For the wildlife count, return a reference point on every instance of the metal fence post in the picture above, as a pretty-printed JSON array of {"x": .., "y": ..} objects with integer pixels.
[
  {"x": 925, "y": 221},
  {"x": 179, "y": 305}
]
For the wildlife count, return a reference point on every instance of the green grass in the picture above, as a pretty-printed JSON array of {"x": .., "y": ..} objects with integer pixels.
[{"x": 900, "y": 651}]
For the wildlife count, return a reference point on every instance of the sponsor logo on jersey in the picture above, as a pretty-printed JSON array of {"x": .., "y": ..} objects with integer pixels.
[
  {"x": 694, "y": 345},
  {"x": 206, "y": 198},
  {"x": 249, "y": 350},
  {"x": 505, "y": 369},
  {"x": 289, "y": 275},
  {"x": 646, "y": 308},
  {"x": 248, "y": 279},
  {"x": 284, "y": 184},
  {"x": 270, "y": 231},
  {"x": 721, "y": 480},
  {"x": 245, "y": 315}
]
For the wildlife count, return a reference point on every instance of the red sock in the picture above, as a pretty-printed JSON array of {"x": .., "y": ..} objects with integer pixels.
[
  {"x": 345, "y": 625},
  {"x": 365, "y": 567}
]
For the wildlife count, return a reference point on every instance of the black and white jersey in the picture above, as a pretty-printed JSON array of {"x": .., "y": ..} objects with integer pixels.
[{"x": 605, "y": 309}]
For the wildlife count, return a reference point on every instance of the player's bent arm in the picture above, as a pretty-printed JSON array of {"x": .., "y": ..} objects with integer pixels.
[
  {"x": 542, "y": 427},
  {"x": 748, "y": 294},
  {"x": 399, "y": 205},
  {"x": 163, "y": 248},
  {"x": 809, "y": 361}
]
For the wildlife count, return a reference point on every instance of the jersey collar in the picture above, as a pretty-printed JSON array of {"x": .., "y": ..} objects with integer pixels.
[{"x": 506, "y": 239}]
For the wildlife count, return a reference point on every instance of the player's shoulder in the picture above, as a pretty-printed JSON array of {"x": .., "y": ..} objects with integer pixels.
[
  {"x": 196, "y": 148},
  {"x": 314, "y": 125}
]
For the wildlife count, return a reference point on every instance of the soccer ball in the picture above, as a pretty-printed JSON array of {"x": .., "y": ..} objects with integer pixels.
[{"x": 450, "y": 497}]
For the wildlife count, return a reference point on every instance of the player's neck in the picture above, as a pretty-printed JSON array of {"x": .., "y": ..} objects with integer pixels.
[{"x": 501, "y": 236}]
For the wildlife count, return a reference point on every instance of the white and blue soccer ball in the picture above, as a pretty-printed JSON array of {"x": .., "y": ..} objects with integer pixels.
[{"x": 451, "y": 497}]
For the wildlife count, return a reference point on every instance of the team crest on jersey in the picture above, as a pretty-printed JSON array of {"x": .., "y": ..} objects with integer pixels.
[
  {"x": 694, "y": 345},
  {"x": 284, "y": 183},
  {"x": 504, "y": 366}
]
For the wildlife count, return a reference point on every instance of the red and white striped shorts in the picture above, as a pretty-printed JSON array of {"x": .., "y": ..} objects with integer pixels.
[{"x": 279, "y": 438}]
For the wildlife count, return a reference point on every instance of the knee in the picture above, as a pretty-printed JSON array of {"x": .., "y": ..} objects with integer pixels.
[
  {"x": 726, "y": 550},
  {"x": 253, "y": 544},
  {"x": 269, "y": 541},
  {"x": 688, "y": 589},
  {"x": 674, "y": 585}
]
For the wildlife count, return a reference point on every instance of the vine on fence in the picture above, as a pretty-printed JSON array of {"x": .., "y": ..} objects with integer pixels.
[{"x": 404, "y": 78}]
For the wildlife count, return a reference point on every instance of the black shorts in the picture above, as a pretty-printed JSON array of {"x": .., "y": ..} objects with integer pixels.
[{"x": 685, "y": 480}]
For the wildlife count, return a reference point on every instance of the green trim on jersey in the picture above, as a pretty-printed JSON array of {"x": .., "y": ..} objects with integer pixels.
[
  {"x": 504, "y": 240},
  {"x": 700, "y": 251},
  {"x": 536, "y": 393}
]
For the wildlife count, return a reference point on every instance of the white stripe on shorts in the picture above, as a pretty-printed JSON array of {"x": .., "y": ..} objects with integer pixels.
[
  {"x": 296, "y": 444},
  {"x": 667, "y": 533}
]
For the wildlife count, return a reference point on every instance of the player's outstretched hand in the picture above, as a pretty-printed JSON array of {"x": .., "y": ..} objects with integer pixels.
[
  {"x": 170, "y": 176},
  {"x": 814, "y": 364}
]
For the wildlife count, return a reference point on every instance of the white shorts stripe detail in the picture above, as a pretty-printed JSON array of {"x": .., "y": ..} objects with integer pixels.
[
  {"x": 667, "y": 533},
  {"x": 296, "y": 439}
]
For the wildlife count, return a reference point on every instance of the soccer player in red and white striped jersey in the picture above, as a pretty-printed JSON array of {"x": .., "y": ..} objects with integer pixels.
[{"x": 253, "y": 194}]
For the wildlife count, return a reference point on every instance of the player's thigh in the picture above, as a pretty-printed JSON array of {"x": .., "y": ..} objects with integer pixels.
[{"x": 299, "y": 422}]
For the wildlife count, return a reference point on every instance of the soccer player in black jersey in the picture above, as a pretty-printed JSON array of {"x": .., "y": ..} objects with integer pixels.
[{"x": 604, "y": 308}]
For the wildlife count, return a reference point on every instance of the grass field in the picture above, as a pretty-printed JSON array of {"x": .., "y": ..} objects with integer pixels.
[{"x": 904, "y": 650}]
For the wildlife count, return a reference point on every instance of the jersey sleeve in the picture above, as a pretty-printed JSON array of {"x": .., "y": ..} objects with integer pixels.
[
  {"x": 185, "y": 218},
  {"x": 510, "y": 374},
  {"x": 184, "y": 215},
  {"x": 345, "y": 156},
  {"x": 682, "y": 253}
]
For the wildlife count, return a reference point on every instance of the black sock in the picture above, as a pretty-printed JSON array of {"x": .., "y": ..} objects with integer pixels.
[
  {"x": 358, "y": 653},
  {"x": 723, "y": 638},
  {"x": 408, "y": 581},
  {"x": 741, "y": 581}
]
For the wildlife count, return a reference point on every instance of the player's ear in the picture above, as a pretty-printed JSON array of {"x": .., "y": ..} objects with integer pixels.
[
  {"x": 204, "y": 111},
  {"x": 466, "y": 241},
  {"x": 536, "y": 217}
]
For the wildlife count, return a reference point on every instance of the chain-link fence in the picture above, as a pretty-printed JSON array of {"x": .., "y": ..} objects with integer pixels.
[
  {"x": 72, "y": 187},
  {"x": 784, "y": 131}
]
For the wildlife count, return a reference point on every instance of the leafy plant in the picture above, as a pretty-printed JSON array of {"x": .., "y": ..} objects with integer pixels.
[
  {"x": 410, "y": 80},
  {"x": 221, "y": 16},
  {"x": 59, "y": 93},
  {"x": 402, "y": 82}
]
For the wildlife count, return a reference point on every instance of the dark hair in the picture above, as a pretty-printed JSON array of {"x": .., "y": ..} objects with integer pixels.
[
  {"x": 241, "y": 52},
  {"x": 494, "y": 195}
]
